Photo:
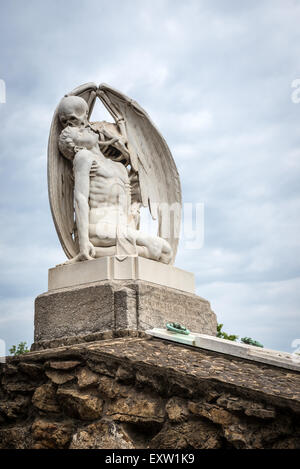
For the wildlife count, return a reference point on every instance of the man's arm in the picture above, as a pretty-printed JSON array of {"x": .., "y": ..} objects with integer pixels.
[{"x": 81, "y": 166}]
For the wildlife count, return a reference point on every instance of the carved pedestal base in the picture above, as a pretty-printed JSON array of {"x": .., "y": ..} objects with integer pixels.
[
  {"x": 112, "y": 308},
  {"x": 113, "y": 268}
]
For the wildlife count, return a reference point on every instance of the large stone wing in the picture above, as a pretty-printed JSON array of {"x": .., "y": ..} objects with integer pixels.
[
  {"x": 60, "y": 179},
  {"x": 151, "y": 158}
]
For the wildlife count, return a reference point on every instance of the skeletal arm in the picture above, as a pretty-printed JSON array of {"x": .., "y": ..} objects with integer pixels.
[{"x": 117, "y": 141}]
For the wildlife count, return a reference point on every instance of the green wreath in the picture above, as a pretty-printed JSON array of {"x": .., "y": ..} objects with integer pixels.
[{"x": 176, "y": 327}]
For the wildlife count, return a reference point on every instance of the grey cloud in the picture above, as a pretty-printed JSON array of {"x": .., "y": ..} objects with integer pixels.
[{"x": 216, "y": 78}]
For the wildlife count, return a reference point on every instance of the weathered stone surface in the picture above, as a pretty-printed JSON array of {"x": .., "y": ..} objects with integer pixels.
[
  {"x": 101, "y": 435},
  {"x": 125, "y": 375},
  {"x": 44, "y": 398},
  {"x": 79, "y": 312},
  {"x": 176, "y": 409},
  {"x": 208, "y": 370},
  {"x": 159, "y": 305},
  {"x": 12, "y": 384},
  {"x": 79, "y": 404},
  {"x": 197, "y": 434},
  {"x": 150, "y": 381},
  {"x": 64, "y": 365},
  {"x": 31, "y": 369},
  {"x": 16, "y": 408},
  {"x": 10, "y": 369},
  {"x": 18, "y": 437},
  {"x": 86, "y": 378},
  {"x": 232, "y": 402},
  {"x": 111, "y": 388},
  {"x": 255, "y": 409},
  {"x": 59, "y": 377},
  {"x": 74, "y": 311},
  {"x": 137, "y": 407},
  {"x": 247, "y": 435},
  {"x": 85, "y": 338},
  {"x": 212, "y": 412},
  {"x": 51, "y": 434},
  {"x": 102, "y": 368},
  {"x": 143, "y": 393}
]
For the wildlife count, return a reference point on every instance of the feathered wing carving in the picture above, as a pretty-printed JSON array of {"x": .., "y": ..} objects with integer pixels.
[
  {"x": 60, "y": 178},
  {"x": 152, "y": 164},
  {"x": 151, "y": 158}
]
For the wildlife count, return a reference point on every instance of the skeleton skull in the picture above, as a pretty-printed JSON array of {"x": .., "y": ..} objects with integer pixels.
[{"x": 73, "y": 111}]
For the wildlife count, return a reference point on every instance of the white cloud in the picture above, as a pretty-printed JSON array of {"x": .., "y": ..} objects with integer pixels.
[
  {"x": 265, "y": 311},
  {"x": 138, "y": 68}
]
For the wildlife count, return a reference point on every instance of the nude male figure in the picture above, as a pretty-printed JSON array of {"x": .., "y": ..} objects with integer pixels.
[{"x": 103, "y": 210}]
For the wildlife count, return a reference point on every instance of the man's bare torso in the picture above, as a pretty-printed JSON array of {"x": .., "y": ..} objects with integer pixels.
[{"x": 109, "y": 200}]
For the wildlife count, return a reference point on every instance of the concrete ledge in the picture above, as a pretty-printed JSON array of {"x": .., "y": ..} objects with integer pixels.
[
  {"x": 271, "y": 357},
  {"x": 70, "y": 341},
  {"x": 112, "y": 268}
]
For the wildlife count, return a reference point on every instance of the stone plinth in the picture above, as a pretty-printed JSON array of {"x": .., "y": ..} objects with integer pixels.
[
  {"x": 108, "y": 308},
  {"x": 113, "y": 268},
  {"x": 106, "y": 297}
]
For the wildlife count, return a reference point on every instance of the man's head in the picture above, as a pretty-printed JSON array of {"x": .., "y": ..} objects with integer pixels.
[
  {"x": 73, "y": 139},
  {"x": 67, "y": 142},
  {"x": 73, "y": 111}
]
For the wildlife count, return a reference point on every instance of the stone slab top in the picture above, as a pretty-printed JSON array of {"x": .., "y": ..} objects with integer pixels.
[
  {"x": 178, "y": 363},
  {"x": 115, "y": 268},
  {"x": 287, "y": 360}
]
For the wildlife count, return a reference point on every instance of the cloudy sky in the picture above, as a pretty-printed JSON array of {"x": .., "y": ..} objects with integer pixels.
[{"x": 216, "y": 77}]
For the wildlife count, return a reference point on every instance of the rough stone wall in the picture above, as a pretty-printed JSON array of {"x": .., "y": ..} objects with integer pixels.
[{"x": 137, "y": 392}]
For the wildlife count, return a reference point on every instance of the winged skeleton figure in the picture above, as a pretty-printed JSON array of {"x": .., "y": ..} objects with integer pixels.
[{"x": 100, "y": 174}]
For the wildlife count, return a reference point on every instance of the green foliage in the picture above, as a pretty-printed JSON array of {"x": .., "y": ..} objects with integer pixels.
[
  {"x": 20, "y": 349},
  {"x": 233, "y": 337},
  {"x": 249, "y": 341},
  {"x": 224, "y": 335}
]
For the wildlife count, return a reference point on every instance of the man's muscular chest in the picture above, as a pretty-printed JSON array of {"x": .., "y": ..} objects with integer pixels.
[{"x": 106, "y": 170}]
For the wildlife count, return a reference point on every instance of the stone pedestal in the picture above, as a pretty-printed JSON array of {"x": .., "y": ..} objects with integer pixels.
[
  {"x": 104, "y": 308},
  {"x": 113, "y": 268}
]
